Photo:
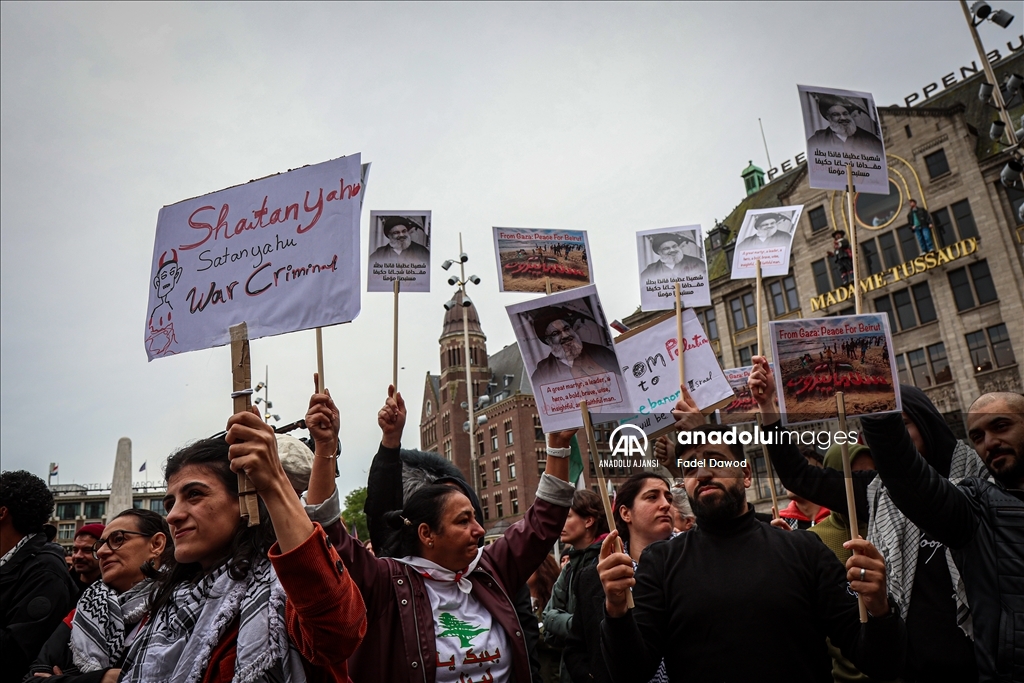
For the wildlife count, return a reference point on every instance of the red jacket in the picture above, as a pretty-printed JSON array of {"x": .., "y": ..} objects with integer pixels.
[
  {"x": 791, "y": 511},
  {"x": 324, "y": 611}
]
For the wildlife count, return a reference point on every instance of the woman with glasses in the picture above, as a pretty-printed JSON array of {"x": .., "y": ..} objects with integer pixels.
[{"x": 92, "y": 641}]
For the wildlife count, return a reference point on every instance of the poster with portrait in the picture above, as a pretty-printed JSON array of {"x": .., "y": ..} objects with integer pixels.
[
  {"x": 816, "y": 357},
  {"x": 765, "y": 235},
  {"x": 842, "y": 127},
  {"x": 528, "y": 258},
  {"x": 280, "y": 254},
  {"x": 743, "y": 408},
  {"x": 569, "y": 355},
  {"x": 649, "y": 358},
  {"x": 667, "y": 256},
  {"x": 399, "y": 250}
]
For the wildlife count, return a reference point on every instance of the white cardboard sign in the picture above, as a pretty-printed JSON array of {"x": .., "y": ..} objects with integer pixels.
[{"x": 280, "y": 254}]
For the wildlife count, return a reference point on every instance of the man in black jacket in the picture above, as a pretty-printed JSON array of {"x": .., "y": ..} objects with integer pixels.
[
  {"x": 36, "y": 590},
  {"x": 981, "y": 521},
  {"x": 920, "y": 222},
  {"x": 710, "y": 601}
]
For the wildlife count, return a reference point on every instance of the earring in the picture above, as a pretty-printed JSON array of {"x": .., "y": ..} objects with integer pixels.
[{"x": 431, "y": 544}]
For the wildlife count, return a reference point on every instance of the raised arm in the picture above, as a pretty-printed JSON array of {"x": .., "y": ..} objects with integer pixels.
[{"x": 384, "y": 484}]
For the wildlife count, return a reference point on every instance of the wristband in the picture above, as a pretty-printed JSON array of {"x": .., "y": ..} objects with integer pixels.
[{"x": 559, "y": 452}]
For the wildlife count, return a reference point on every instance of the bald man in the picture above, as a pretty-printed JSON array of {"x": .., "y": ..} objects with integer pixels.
[{"x": 981, "y": 520}]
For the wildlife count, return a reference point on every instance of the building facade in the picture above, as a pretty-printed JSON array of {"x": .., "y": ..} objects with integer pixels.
[{"x": 79, "y": 504}]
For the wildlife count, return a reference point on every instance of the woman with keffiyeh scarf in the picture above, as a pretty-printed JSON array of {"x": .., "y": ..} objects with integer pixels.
[{"x": 90, "y": 644}]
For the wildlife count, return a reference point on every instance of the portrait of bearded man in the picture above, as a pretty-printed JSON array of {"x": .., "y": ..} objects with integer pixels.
[
  {"x": 570, "y": 357},
  {"x": 676, "y": 255},
  {"x": 843, "y": 134}
]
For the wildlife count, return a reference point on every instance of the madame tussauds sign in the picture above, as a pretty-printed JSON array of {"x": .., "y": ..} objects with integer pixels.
[{"x": 901, "y": 272}]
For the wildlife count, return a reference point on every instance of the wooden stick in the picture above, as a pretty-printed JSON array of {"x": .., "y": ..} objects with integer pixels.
[
  {"x": 241, "y": 380},
  {"x": 592, "y": 448},
  {"x": 394, "y": 346},
  {"x": 760, "y": 329},
  {"x": 679, "y": 336},
  {"x": 853, "y": 239},
  {"x": 319, "y": 360},
  {"x": 770, "y": 472},
  {"x": 851, "y": 506},
  {"x": 547, "y": 285}
]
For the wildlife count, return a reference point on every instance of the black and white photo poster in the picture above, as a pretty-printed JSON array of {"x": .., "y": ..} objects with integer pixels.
[
  {"x": 399, "y": 250},
  {"x": 667, "y": 256},
  {"x": 766, "y": 235}
]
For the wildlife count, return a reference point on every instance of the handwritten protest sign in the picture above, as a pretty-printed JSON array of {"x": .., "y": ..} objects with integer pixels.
[
  {"x": 528, "y": 257},
  {"x": 671, "y": 255},
  {"x": 842, "y": 127},
  {"x": 280, "y": 253},
  {"x": 743, "y": 407},
  {"x": 817, "y": 357},
  {"x": 399, "y": 250},
  {"x": 765, "y": 235},
  {"x": 568, "y": 351},
  {"x": 649, "y": 358}
]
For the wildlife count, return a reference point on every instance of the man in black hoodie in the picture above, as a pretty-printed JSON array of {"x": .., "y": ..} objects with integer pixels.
[
  {"x": 36, "y": 590},
  {"x": 394, "y": 474}
]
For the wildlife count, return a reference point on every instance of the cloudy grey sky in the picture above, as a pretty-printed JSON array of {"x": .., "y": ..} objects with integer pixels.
[{"x": 607, "y": 117}]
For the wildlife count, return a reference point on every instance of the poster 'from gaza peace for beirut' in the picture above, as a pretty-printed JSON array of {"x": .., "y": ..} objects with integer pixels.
[{"x": 280, "y": 254}]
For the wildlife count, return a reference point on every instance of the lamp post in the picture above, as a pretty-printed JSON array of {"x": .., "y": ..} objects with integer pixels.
[
  {"x": 264, "y": 386},
  {"x": 975, "y": 15},
  {"x": 460, "y": 282}
]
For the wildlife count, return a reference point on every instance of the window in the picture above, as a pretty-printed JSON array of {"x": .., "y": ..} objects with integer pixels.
[
  {"x": 480, "y": 442},
  {"x": 890, "y": 254},
  {"x": 1016, "y": 198},
  {"x": 871, "y": 262},
  {"x": 961, "y": 281},
  {"x": 137, "y": 503},
  {"x": 507, "y": 379},
  {"x": 729, "y": 251},
  {"x": 510, "y": 460},
  {"x": 964, "y": 219},
  {"x": 908, "y": 243},
  {"x": 761, "y": 479},
  {"x": 542, "y": 460},
  {"x": 978, "y": 346},
  {"x": 538, "y": 431},
  {"x": 908, "y": 307},
  {"x": 486, "y": 508},
  {"x": 68, "y": 510},
  {"x": 901, "y": 369},
  {"x": 910, "y": 133},
  {"x": 1001, "y": 349},
  {"x": 937, "y": 164},
  {"x": 744, "y": 313},
  {"x": 942, "y": 228},
  {"x": 736, "y": 307},
  {"x": 494, "y": 439},
  {"x": 746, "y": 353},
  {"x": 923, "y": 300},
  {"x": 904, "y": 309},
  {"x": 709, "y": 321},
  {"x": 750, "y": 309},
  {"x": 448, "y": 450},
  {"x": 919, "y": 368},
  {"x": 783, "y": 295},
  {"x": 940, "y": 364},
  {"x": 499, "y": 509},
  {"x": 513, "y": 499},
  {"x": 482, "y": 469},
  {"x": 446, "y": 424},
  {"x": 444, "y": 395},
  {"x": 819, "y": 221},
  {"x": 496, "y": 469},
  {"x": 66, "y": 532},
  {"x": 821, "y": 282},
  {"x": 508, "y": 432},
  {"x": 157, "y": 505},
  {"x": 884, "y": 305},
  {"x": 95, "y": 509}
]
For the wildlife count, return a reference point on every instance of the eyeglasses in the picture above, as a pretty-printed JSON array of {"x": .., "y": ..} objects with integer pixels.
[{"x": 115, "y": 540}]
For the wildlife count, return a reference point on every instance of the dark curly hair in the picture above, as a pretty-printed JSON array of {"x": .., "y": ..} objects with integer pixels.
[
  {"x": 28, "y": 499},
  {"x": 251, "y": 543},
  {"x": 425, "y": 506},
  {"x": 151, "y": 524}
]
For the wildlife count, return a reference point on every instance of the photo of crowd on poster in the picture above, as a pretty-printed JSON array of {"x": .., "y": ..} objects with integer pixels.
[
  {"x": 765, "y": 235},
  {"x": 667, "y": 256},
  {"x": 817, "y": 357},
  {"x": 568, "y": 352},
  {"x": 842, "y": 128},
  {"x": 399, "y": 250},
  {"x": 743, "y": 408},
  {"x": 531, "y": 259}
]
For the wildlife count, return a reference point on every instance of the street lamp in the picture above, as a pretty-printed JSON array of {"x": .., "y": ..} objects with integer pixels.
[
  {"x": 264, "y": 386},
  {"x": 975, "y": 15},
  {"x": 460, "y": 283}
]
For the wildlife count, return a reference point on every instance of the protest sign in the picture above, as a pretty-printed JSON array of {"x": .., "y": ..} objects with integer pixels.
[
  {"x": 568, "y": 352},
  {"x": 765, "y": 235},
  {"x": 399, "y": 251},
  {"x": 280, "y": 253},
  {"x": 649, "y": 358},
  {"x": 842, "y": 128},
  {"x": 817, "y": 357},
  {"x": 743, "y": 408},
  {"x": 667, "y": 256},
  {"x": 528, "y": 257}
]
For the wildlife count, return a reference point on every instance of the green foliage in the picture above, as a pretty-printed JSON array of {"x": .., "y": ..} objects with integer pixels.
[{"x": 353, "y": 513}]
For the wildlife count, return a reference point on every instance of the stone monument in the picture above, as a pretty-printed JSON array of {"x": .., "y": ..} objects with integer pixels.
[{"x": 121, "y": 486}]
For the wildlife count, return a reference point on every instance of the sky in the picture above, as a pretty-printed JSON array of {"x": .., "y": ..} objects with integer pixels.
[{"x": 611, "y": 118}]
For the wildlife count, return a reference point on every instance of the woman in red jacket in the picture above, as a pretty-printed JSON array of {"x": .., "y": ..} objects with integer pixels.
[{"x": 226, "y": 612}]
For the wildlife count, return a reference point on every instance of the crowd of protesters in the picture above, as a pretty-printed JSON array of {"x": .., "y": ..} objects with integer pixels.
[{"x": 691, "y": 584}]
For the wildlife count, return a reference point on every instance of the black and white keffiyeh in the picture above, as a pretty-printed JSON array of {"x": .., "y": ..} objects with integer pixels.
[
  {"x": 178, "y": 641},
  {"x": 101, "y": 619},
  {"x": 899, "y": 540}
]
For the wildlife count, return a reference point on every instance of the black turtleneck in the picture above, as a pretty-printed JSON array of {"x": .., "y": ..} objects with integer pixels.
[{"x": 738, "y": 600}]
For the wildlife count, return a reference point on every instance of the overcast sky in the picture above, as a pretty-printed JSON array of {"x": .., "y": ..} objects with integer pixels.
[{"x": 606, "y": 117}]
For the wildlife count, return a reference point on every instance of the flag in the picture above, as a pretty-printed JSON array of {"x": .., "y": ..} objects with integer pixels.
[
  {"x": 575, "y": 461},
  {"x": 143, "y": 468},
  {"x": 53, "y": 469}
]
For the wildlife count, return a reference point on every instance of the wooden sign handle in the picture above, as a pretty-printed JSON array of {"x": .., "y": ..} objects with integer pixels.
[
  {"x": 679, "y": 335},
  {"x": 592, "y": 448},
  {"x": 394, "y": 343},
  {"x": 241, "y": 395},
  {"x": 851, "y": 505},
  {"x": 768, "y": 471}
]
